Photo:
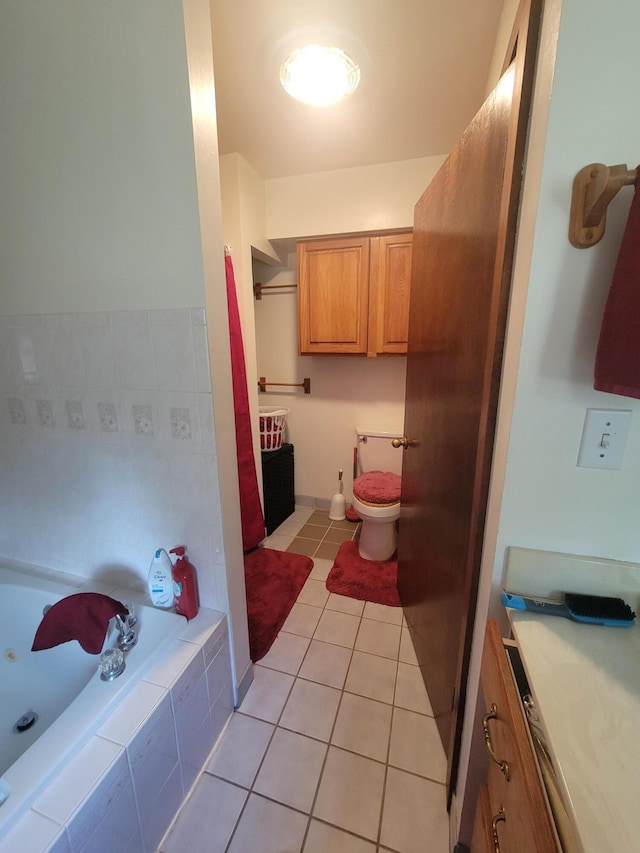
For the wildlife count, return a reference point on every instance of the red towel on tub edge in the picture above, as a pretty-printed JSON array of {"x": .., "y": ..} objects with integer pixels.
[
  {"x": 83, "y": 616},
  {"x": 617, "y": 366}
]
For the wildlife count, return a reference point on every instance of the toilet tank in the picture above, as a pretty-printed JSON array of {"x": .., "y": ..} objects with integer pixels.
[{"x": 375, "y": 451}]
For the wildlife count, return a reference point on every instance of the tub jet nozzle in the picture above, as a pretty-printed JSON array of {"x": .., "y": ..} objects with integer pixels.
[{"x": 26, "y": 721}]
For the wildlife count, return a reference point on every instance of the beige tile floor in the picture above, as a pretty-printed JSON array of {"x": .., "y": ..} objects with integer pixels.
[
  {"x": 334, "y": 749},
  {"x": 311, "y": 532}
]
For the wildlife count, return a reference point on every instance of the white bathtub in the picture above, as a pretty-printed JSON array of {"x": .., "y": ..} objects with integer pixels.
[{"x": 81, "y": 716}]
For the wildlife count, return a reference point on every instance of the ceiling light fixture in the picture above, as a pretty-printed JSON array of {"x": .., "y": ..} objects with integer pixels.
[{"x": 319, "y": 75}]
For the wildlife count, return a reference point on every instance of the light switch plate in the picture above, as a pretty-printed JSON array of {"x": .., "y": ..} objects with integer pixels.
[{"x": 604, "y": 437}]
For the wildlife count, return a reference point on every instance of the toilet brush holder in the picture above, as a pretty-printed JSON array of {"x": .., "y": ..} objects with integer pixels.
[
  {"x": 338, "y": 505},
  {"x": 337, "y": 510}
]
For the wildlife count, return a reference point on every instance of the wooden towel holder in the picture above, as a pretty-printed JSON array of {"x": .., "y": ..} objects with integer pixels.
[
  {"x": 594, "y": 187},
  {"x": 306, "y": 384}
]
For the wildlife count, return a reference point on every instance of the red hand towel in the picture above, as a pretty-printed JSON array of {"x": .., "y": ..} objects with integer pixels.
[
  {"x": 83, "y": 617},
  {"x": 617, "y": 367}
]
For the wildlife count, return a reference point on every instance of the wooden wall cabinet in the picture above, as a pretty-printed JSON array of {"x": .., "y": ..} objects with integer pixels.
[
  {"x": 512, "y": 813},
  {"x": 353, "y": 295}
]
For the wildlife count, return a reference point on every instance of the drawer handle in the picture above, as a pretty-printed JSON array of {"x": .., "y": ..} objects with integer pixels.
[
  {"x": 494, "y": 827},
  {"x": 492, "y": 714}
]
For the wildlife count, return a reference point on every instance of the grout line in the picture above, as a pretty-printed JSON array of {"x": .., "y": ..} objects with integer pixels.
[
  {"x": 353, "y": 834},
  {"x": 259, "y": 768},
  {"x": 393, "y": 706},
  {"x": 339, "y": 645},
  {"x": 277, "y": 725},
  {"x": 386, "y": 768},
  {"x": 262, "y": 760},
  {"x": 335, "y": 720},
  {"x": 387, "y": 761},
  {"x": 328, "y": 744}
]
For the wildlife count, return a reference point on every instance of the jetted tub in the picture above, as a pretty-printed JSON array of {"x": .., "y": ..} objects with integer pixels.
[{"x": 62, "y": 685}]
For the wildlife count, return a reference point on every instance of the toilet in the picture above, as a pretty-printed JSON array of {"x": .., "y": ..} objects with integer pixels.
[{"x": 376, "y": 492}]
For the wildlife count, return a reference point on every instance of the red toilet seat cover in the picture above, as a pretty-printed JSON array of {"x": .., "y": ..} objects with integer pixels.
[{"x": 378, "y": 487}]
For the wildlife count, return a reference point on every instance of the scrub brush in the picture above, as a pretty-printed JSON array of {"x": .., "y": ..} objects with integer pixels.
[{"x": 591, "y": 609}]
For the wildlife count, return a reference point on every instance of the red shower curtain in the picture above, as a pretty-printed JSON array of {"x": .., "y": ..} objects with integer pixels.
[{"x": 250, "y": 508}]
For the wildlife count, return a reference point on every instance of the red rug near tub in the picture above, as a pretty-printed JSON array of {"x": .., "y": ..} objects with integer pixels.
[
  {"x": 273, "y": 580},
  {"x": 366, "y": 580}
]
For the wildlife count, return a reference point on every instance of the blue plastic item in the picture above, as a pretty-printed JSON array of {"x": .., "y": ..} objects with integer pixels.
[{"x": 590, "y": 609}]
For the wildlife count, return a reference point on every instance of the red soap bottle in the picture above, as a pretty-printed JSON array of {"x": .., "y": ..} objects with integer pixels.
[{"x": 185, "y": 584}]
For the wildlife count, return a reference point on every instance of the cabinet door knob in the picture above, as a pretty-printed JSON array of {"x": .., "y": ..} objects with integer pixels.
[
  {"x": 492, "y": 714},
  {"x": 494, "y": 828}
]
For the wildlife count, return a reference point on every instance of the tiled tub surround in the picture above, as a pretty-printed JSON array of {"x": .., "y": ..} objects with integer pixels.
[
  {"x": 123, "y": 787},
  {"x": 61, "y": 685},
  {"x": 107, "y": 447}
]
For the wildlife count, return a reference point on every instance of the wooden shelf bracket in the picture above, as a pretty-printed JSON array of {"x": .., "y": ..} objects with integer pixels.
[{"x": 594, "y": 187}]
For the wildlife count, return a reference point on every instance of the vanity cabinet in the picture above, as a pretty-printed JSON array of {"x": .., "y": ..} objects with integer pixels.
[
  {"x": 482, "y": 840},
  {"x": 353, "y": 295},
  {"x": 512, "y": 814}
]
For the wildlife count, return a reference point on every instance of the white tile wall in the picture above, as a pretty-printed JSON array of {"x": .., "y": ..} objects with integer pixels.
[
  {"x": 153, "y": 759},
  {"x": 109, "y": 820},
  {"x": 107, "y": 445}
]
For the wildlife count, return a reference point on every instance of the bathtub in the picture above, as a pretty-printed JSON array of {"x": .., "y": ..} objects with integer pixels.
[{"x": 175, "y": 692}]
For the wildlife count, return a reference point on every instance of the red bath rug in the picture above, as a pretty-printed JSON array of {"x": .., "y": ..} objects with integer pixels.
[
  {"x": 273, "y": 580},
  {"x": 366, "y": 580}
]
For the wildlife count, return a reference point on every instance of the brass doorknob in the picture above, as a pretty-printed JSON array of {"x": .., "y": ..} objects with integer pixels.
[{"x": 400, "y": 442}]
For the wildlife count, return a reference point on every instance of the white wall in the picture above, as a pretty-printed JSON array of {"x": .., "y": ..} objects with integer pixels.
[
  {"x": 228, "y": 560},
  {"x": 107, "y": 442},
  {"x": 244, "y": 222},
  {"x": 367, "y": 198},
  {"x": 505, "y": 29},
  {"x": 548, "y": 502},
  {"x": 98, "y": 184},
  {"x": 244, "y": 203}
]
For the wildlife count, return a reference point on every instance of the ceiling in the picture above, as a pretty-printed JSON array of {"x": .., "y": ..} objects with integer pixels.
[{"x": 424, "y": 67}]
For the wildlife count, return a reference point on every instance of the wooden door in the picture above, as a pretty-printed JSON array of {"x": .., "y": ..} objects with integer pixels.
[
  {"x": 333, "y": 293},
  {"x": 389, "y": 293},
  {"x": 463, "y": 243}
]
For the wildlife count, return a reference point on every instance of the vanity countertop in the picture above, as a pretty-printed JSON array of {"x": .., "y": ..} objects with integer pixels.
[{"x": 585, "y": 680}]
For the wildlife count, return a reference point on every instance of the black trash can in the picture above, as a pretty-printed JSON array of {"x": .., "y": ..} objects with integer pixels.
[{"x": 278, "y": 486}]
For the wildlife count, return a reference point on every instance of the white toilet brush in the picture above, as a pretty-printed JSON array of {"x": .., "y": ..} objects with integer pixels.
[{"x": 337, "y": 508}]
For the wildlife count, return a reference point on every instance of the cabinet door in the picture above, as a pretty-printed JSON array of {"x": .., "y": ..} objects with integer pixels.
[
  {"x": 515, "y": 790},
  {"x": 482, "y": 840},
  {"x": 389, "y": 293},
  {"x": 333, "y": 293}
]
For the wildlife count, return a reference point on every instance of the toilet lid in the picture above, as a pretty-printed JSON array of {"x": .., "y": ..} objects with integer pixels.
[{"x": 378, "y": 487}]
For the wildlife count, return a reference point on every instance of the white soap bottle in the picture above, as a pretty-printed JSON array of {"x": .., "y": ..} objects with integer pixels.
[{"x": 160, "y": 580}]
